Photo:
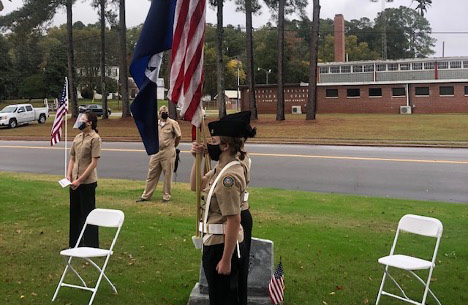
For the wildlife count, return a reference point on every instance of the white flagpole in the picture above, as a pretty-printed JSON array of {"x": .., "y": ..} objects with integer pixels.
[{"x": 66, "y": 129}]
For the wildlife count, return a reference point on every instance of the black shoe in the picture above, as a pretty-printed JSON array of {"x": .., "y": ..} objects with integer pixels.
[{"x": 141, "y": 200}]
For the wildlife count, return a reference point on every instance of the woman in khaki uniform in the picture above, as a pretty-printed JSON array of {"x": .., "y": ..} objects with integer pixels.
[
  {"x": 84, "y": 155},
  {"x": 223, "y": 193}
]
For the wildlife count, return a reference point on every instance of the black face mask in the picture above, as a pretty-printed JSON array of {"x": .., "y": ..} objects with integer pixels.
[
  {"x": 164, "y": 115},
  {"x": 214, "y": 151},
  {"x": 82, "y": 126}
]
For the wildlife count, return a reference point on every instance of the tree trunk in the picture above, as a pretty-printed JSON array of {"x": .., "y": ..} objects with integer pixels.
[
  {"x": 312, "y": 99},
  {"x": 250, "y": 61},
  {"x": 103, "y": 59},
  {"x": 123, "y": 74},
  {"x": 280, "y": 93},
  {"x": 219, "y": 59},
  {"x": 71, "y": 61}
]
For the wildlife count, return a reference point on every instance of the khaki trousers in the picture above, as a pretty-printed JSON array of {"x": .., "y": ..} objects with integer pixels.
[{"x": 162, "y": 161}]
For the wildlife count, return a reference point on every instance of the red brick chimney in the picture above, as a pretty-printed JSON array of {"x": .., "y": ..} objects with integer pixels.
[{"x": 339, "y": 35}]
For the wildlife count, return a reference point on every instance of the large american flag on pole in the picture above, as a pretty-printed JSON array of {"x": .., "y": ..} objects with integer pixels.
[
  {"x": 186, "y": 80},
  {"x": 62, "y": 111},
  {"x": 276, "y": 286}
]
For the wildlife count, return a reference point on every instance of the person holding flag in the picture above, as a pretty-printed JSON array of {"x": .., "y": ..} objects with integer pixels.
[
  {"x": 223, "y": 193},
  {"x": 84, "y": 155}
]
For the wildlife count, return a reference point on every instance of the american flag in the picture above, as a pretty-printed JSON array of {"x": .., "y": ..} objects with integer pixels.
[
  {"x": 186, "y": 80},
  {"x": 62, "y": 111},
  {"x": 276, "y": 286}
]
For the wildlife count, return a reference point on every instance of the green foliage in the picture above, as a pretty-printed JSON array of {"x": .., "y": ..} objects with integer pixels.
[
  {"x": 423, "y": 5},
  {"x": 33, "y": 87},
  {"x": 111, "y": 85},
  {"x": 55, "y": 70},
  {"x": 32, "y": 15},
  {"x": 355, "y": 50},
  {"x": 87, "y": 93},
  {"x": 408, "y": 33},
  {"x": 6, "y": 78}
]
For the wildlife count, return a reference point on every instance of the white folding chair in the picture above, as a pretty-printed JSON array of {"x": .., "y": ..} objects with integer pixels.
[
  {"x": 420, "y": 225},
  {"x": 102, "y": 218}
]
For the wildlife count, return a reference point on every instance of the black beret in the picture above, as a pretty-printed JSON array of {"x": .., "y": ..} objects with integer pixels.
[{"x": 236, "y": 125}]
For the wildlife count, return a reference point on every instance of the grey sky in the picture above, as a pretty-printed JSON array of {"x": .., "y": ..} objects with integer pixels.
[{"x": 442, "y": 17}]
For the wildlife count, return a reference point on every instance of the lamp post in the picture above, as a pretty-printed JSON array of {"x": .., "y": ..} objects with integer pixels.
[
  {"x": 384, "y": 32},
  {"x": 266, "y": 71}
]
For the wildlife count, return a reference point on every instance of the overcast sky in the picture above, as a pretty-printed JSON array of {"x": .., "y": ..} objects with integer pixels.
[{"x": 442, "y": 17}]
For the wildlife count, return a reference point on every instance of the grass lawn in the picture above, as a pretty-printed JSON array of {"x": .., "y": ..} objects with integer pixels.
[
  {"x": 380, "y": 129},
  {"x": 329, "y": 244}
]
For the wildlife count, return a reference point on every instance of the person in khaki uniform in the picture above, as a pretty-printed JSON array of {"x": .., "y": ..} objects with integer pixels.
[
  {"x": 163, "y": 161},
  {"x": 223, "y": 194},
  {"x": 84, "y": 155}
]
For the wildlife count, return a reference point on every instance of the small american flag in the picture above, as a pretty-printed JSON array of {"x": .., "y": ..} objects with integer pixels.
[
  {"x": 276, "y": 286},
  {"x": 62, "y": 111},
  {"x": 186, "y": 80}
]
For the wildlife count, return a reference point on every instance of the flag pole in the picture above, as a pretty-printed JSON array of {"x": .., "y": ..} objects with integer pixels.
[
  {"x": 66, "y": 128},
  {"x": 205, "y": 142},
  {"x": 198, "y": 183}
]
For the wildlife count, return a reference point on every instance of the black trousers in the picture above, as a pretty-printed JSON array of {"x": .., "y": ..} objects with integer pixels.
[
  {"x": 82, "y": 202},
  {"x": 247, "y": 224},
  {"x": 222, "y": 289}
]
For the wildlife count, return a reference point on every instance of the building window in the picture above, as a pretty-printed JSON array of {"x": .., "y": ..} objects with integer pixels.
[
  {"x": 399, "y": 91},
  {"x": 381, "y": 67},
  {"x": 368, "y": 68},
  {"x": 375, "y": 92},
  {"x": 455, "y": 65},
  {"x": 357, "y": 69},
  {"x": 466, "y": 90},
  {"x": 354, "y": 92},
  {"x": 465, "y": 64},
  {"x": 331, "y": 93},
  {"x": 392, "y": 67},
  {"x": 428, "y": 66},
  {"x": 417, "y": 66},
  {"x": 446, "y": 90},
  {"x": 405, "y": 66},
  {"x": 421, "y": 91},
  {"x": 324, "y": 70},
  {"x": 345, "y": 69},
  {"x": 334, "y": 69},
  {"x": 442, "y": 65}
]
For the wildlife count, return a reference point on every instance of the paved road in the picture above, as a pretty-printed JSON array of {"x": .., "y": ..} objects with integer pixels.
[{"x": 418, "y": 173}]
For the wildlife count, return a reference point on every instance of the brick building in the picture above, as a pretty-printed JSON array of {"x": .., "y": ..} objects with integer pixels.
[{"x": 419, "y": 85}]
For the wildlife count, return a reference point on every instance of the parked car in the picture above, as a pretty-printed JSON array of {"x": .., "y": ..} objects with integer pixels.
[
  {"x": 14, "y": 115},
  {"x": 94, "y": 108}
]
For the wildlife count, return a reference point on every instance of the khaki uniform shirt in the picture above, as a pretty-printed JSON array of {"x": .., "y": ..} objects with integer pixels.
[
  {"x": 226, "y": 200},
  {"x": 168, "y": 133},
  {"x": 85, "y": 147},
  {"x": 246, "y": 166}
]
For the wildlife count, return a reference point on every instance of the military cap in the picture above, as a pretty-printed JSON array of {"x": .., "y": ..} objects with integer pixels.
[{"x": 236, "y": 125}]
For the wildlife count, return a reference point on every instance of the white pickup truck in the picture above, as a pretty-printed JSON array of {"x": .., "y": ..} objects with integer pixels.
[{"x": 14, "y": 115}]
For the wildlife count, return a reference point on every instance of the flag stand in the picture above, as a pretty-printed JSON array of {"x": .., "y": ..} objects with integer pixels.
[
  {"x": 198, "y": 182},
  {"x": 66, "y": 127}
]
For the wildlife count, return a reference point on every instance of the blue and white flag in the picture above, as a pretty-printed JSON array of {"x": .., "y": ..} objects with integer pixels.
[{"x": 155, "y": 38}]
